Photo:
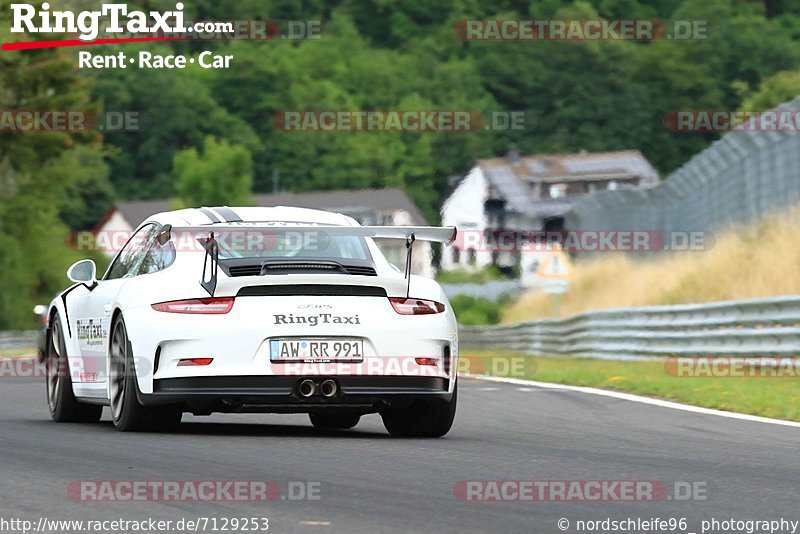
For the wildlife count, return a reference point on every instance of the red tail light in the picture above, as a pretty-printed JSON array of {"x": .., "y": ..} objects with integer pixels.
[
  {"x": 185, "y": 362},
  {"x": 405, "y": 306},
  {"x": 427, "y": 361},
  {"x": 216, "y": 305}
]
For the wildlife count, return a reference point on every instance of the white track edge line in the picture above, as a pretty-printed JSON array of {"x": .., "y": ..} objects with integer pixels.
[{"x": 637, "y": 398}]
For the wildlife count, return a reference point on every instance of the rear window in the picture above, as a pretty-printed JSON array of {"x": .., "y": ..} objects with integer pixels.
[{"x": 287, "y": 243}]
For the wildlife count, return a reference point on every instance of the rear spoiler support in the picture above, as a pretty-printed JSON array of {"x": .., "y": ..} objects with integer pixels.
[
  {"x": 210, "y": 260},
  {"x": 410, "y": 249}
]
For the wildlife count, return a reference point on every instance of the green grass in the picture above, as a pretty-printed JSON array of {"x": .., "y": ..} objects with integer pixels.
[
  {"x": 768, "y": 397},
  {"x": 16, "y": 353}
]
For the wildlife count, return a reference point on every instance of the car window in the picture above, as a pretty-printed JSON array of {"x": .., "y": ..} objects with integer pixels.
[
  {"x": 287, "y": 243},
  {"x": 158, "y": 257},
  {"x": 132, "y": 254}
]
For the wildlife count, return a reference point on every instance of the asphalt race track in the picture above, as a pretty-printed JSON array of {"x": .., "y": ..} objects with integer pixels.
[{"x": 369, "y": 482}]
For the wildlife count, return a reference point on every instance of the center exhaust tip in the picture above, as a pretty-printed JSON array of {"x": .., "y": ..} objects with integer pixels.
[
  {"x": 328, "y": 388},
  {"x": 307, "y": 388}
]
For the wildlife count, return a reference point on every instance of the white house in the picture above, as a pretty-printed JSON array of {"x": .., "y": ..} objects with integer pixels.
[
  {"x": 390, "y": 207},
  {"x": 530, "y": 193}
]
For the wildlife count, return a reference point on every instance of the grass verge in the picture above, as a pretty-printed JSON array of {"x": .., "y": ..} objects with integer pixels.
[
  {"x": 17, "y": 353},
  {"x": 768, "y": 397}
]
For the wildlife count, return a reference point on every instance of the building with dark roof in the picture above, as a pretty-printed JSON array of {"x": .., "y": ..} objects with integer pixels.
[{"x": 533, "y": 193}]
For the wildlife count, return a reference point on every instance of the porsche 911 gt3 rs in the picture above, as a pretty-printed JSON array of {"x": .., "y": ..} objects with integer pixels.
[{"x": 284, "y": 310}]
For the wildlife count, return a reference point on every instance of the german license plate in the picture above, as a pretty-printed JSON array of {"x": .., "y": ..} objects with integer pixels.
[{"x": 316, "y": 350}]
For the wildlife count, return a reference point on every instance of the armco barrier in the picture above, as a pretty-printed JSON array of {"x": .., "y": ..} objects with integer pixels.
[
  {"x": 753, "y": 327},
  {"x": 17, "y": 340}
]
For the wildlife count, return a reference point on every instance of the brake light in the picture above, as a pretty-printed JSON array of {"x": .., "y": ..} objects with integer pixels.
[
  {"x": 405, "y": 306},
  {"x": 427, "y": 361},
  {"x": 215, "y": 305},
  {"x": 194, "y": 361}
]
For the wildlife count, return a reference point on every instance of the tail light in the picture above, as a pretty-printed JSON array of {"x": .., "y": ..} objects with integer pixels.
[
  {"x": 215, "y": 305},
  {"x": 427, "y": 361},
  {"x": 405, "y": 306},
  {"x": 187, "y": 362}
]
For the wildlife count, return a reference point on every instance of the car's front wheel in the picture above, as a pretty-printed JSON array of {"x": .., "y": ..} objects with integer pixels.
[
  {"x": 127, "y": 412},
  {"x": 423, "y": 419},
  {"x": 64, "y": 407}
]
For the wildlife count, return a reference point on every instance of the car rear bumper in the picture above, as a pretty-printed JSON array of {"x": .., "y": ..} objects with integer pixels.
[{"x": 279, "y": 394}]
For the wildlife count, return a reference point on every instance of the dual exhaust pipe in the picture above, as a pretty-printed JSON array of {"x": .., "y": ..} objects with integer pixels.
[{"x": 308, "y": 388}]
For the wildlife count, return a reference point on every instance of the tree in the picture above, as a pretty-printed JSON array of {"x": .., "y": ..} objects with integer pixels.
[
  {"x": 774, "y": 90},
  {"x": 222, "y": 174}
]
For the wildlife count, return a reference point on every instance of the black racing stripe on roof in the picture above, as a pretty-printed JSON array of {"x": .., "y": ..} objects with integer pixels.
[
  {"x": 210, "y": 214},
  {"x": 228, "y": 214}
]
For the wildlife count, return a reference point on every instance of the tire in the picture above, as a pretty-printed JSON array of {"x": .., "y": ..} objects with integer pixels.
[
  {"x": 64, "y": 407},
  {"x": 334, "y": 421},
  {"x": 423, "y": 419},
  {"x": 127, "y": 413}
]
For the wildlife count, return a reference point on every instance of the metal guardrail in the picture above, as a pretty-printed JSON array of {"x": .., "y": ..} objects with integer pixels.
[
  {"x": 753, "y": 328},
  {"x": 17, "y": 340}
]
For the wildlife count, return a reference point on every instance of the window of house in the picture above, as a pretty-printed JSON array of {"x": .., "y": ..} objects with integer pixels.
[{"x": 558, "y": 190}]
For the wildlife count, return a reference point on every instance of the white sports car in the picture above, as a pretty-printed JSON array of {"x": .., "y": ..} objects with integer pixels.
[{"x": 277, "y": 309}]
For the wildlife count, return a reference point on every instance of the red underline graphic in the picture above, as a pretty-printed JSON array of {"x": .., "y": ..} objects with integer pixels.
[{"x": 33, "y": 45}]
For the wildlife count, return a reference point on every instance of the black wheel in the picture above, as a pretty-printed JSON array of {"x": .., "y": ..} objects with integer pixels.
[
  {"x": 64, "y": 407},
  {"x": 423, "y": 419},
  {"x": 334, "y": 421},
  {"x": 128, "y": 414}
]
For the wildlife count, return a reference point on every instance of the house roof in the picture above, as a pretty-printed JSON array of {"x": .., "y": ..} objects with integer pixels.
[
  {"x": 350, "y": 201},
  {"x": 510, "y": 177}
]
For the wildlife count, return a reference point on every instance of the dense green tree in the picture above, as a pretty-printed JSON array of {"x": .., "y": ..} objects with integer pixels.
[{"x": 221, "y": 175}]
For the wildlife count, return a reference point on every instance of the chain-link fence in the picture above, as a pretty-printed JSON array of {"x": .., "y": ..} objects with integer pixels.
[{"x": 743, "y": 177}]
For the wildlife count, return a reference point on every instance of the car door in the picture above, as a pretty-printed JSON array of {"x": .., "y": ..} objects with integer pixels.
[{"x": 93, "y": 309}]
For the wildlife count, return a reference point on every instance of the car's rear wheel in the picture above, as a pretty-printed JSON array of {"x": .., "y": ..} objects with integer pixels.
[
  {"x": 64, "y": 407},
  {"x": 423, "y": 419},
  {"x": 127, "y": 412},
  {"x": 334, "y": 421}
]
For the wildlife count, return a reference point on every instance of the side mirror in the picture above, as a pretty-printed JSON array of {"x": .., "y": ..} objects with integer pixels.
[
  {"x": 84, "y": 271},
  {"x": 164, "y": 235}
]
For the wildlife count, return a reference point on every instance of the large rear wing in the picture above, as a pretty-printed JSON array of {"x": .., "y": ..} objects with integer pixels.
[{"x": 436, "y": 234}]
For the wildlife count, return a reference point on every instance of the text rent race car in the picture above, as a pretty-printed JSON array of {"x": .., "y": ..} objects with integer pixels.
[{"x": 255, "y": 310}]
